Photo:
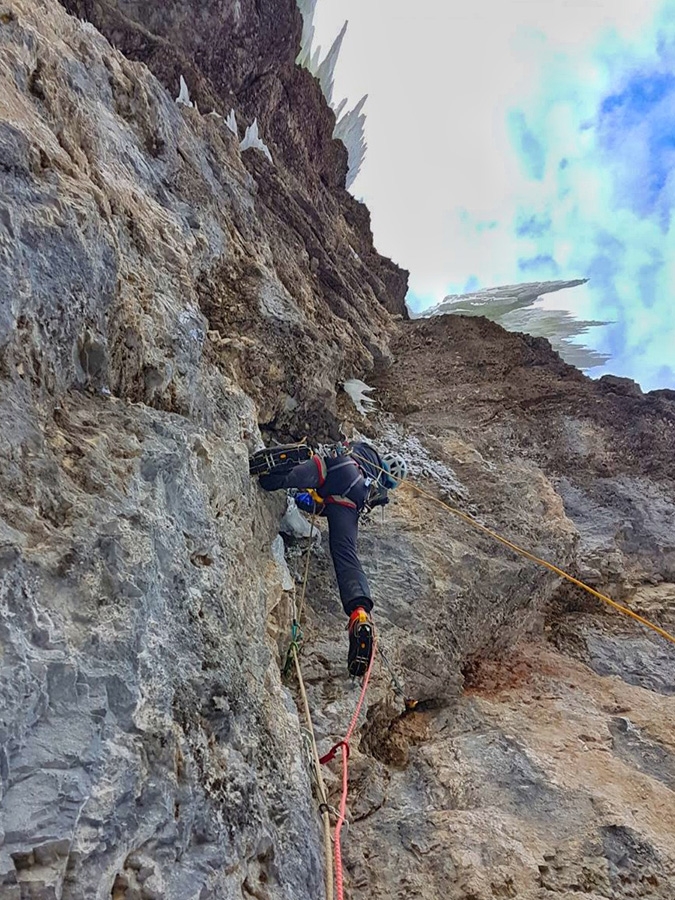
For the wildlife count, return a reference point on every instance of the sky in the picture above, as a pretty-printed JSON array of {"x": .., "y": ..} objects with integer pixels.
[{"x": 524, "y": 140}]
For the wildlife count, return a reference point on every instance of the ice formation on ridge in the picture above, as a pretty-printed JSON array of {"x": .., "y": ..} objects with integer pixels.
[
  {"x": 184, "y": 96},
  {"x": 304, "y": 58},
  {"x": 252, "y": 140},
  {"x": 231, "y": 122},
  {"x": 350, "y": 127},
  {"x": 514, "y": 308}
]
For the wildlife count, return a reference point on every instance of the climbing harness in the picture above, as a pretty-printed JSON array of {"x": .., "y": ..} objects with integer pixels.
[
  {"x": 542, "y": 562},
  {"x": 377, "y": 496}
]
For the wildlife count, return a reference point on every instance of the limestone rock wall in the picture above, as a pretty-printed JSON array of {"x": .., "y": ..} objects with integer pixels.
[
  {"x": 137, "y": 580},
  {"x": 240, "y": 54},
  {"x": 549, "y": 774}
]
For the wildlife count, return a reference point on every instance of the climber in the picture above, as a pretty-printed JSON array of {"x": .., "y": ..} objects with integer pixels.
[{"x": 341, "y": 483}]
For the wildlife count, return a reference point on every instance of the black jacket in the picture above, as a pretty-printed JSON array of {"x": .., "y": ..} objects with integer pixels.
[{"x": 345, "y": 479}]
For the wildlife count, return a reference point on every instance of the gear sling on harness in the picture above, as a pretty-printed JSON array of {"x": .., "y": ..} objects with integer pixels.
[{"x": 278, "y": 459}]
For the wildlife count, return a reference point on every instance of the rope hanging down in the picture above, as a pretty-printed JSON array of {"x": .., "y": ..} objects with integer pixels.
[
  {"x": 321, "y": 787},
  {"x": 343, "y": 747},
  {"x": 531, "y": 556},
  {"x": 293, "y": 657}
]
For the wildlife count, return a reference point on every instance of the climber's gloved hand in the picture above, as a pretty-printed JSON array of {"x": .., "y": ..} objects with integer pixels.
[{"x": 305, "y": 502}]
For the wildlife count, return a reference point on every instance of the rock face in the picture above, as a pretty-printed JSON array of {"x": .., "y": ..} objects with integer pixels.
[
  {"x": 142, "y": 281},
  {"x": 240, "y": 54},
  {"x": 164, "y": 298},
  {"x": 548, "y": 776}
]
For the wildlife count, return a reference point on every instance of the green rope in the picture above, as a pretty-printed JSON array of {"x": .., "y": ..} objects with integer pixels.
[{"x": 294, "y": 647}]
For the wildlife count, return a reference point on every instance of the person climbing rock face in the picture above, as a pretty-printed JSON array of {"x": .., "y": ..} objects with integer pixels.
[{"x": 344, "y": 481}]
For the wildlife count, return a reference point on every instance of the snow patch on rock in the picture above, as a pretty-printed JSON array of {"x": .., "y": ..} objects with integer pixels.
[
  {"x": 420, "y": 462},
  {"x": 231, "y": 122}
]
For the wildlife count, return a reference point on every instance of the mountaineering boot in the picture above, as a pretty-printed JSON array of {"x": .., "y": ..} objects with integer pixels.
[{"x": 360, "y": 642}]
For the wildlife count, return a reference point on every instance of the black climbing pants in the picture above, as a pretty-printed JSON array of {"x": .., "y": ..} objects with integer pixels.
[{"x": 343, "y": 528}]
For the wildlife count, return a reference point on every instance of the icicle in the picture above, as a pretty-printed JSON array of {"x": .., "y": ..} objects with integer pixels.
[
  {"x": 338, "y": 109},
  {"x": 326, "y": 71},
  {"x": 314, "y": 61},
  {"x": 350, "y": 129},
  {"x": 252, "y": 140},
  {"x": 184, "y": 97},
  {"x": 306, "y": 8},
  {"x": 231, "y": 122}
]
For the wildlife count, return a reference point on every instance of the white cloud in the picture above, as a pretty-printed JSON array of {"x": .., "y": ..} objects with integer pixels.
[{"x": 442, "y": 178}]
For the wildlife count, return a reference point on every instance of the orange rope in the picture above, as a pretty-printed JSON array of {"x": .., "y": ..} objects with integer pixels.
[
  {"x": 542, "y": 562},
  {"x": 624, "y": 610}
]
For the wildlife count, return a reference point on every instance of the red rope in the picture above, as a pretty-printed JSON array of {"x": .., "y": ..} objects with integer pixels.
[{"x": 344, "y": 747}]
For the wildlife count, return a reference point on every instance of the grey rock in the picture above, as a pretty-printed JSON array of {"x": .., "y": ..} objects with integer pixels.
[
  {"x": 642, "y": 753},
  {"x": 637, "y": 659}
]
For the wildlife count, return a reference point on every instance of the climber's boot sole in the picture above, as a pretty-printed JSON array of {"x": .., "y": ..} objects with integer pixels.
[{"x": 360, "y": 649}]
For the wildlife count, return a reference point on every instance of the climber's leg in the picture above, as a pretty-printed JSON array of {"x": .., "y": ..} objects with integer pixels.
[
  {"x": 305, "y": 475},
  {"x": 343, "y": 527}
]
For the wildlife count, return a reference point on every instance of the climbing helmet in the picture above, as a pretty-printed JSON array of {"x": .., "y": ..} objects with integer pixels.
[{"x": 396, "y": 469}]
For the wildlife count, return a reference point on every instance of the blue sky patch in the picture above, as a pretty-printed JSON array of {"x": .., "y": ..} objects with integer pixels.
[
  {"x": 532, "y": 226},
  {"x": 542, "y": 266},
  {"x": 471, "y": 284},
  {"x": 642, "y": 93},
  {"x": 531, "y": 151}
]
